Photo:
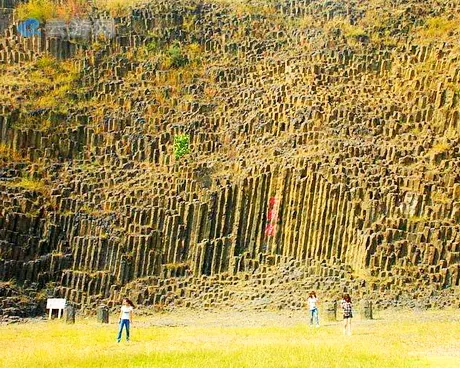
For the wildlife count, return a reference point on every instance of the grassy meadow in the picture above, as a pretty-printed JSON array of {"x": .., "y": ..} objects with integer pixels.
[{"x": 398, "y": 339}]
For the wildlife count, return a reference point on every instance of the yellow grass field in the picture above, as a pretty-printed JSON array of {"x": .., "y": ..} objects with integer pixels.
[{"x": 207, "y": 339}]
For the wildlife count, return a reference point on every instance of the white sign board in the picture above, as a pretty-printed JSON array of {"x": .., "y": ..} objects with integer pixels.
[{"x": 55, "y": 303}]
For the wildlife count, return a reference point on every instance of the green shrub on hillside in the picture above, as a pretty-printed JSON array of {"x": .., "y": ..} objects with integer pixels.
[
  {"x": 117, "y": 7},
  {"x": 152, "y": 46},
  {"x": 41, "y": 10},
  {"x": 46, "y": 62},
  {"x": 181, "y": 145},
  {"x": 439, "y": 27},
  {"x": 175, "y": 56},
  {"x": 342, "y": 25},
  {"x": 354, "y": 31},
  {"x": 8, "y": 154}
]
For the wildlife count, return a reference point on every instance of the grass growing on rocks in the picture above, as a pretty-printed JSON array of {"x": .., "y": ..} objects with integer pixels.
[{"x": 409, "y": 339}]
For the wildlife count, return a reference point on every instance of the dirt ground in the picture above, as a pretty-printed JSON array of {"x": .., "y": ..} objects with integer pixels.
[{"x": 278, "y": 318}]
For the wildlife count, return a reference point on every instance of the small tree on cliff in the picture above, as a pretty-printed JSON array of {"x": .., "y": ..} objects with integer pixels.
[{"x": 181, "y": 145}]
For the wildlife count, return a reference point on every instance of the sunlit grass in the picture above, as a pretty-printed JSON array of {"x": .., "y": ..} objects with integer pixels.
[{"x": 408, "y": 340}]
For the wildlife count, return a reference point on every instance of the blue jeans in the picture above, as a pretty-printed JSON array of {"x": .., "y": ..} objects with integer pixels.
[
  {"x": 123, "y": 323},
  {"x": 314, "y": 316}
]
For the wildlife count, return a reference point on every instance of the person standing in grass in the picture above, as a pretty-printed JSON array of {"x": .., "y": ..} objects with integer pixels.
[
  {"x": 126, "y": 318},
  {"x": 347, "y": 308},
  {"x": 313, "y": 306}
]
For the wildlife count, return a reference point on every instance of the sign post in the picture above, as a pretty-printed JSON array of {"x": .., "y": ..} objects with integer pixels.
[{"x": 55, "y": 303}]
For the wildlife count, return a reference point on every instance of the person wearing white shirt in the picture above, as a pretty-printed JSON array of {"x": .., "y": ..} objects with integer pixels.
[
  {"x": 313, "y": 307},
  {"x": 126, "y": 318}
]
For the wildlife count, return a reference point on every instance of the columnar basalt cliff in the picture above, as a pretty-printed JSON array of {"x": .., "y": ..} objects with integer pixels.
[{"x": 324, "y": 153}]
